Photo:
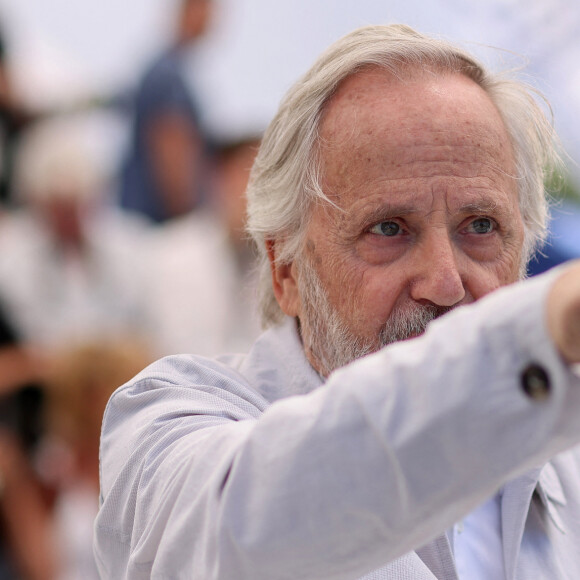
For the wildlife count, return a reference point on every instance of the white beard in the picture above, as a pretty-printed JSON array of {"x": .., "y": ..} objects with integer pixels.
[{"x": 329, "y": 340}]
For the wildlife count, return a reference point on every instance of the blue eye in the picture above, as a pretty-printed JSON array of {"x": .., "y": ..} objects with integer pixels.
[
  {"x": 386, "y": 229},
  {"x": 482, "y": 226}
]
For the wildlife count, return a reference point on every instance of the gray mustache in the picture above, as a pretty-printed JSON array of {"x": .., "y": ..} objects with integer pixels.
[{"x": 406, "y": 323}]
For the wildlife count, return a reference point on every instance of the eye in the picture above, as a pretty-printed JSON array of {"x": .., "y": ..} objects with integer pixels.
[
  {"x": 481, "y": 225},
  {"x": 388, "y": 228}
]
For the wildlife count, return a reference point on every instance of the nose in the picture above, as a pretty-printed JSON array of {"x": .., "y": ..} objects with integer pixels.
[{"x": 437, "y": 277}]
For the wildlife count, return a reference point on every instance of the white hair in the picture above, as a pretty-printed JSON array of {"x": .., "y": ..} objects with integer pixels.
[{"x": 285, "y": 179}]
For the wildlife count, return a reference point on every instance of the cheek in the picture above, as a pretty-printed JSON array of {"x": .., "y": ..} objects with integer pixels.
[
  {"x": 376, "y": 250},
  {"x": 510, "y": 261},
  {"x": 367, "y": 298},
  {"x": 343, "y": 281},
  {"x": 483, "y": 278},
  {"x": 486, "y": 275}
]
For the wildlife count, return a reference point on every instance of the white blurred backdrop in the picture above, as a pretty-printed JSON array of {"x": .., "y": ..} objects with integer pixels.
[{"x": 256, "y": 48}]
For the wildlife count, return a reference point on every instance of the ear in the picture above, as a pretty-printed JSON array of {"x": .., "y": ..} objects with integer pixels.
[{"x": 284, "y": 282}]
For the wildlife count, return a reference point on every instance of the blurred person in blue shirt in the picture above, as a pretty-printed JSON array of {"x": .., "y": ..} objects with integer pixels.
[{"x": 164, "y": 173}]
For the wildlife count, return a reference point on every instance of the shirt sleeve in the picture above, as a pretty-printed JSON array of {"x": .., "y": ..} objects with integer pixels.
[
  {"x": 205, "y": 482},
  {"x": 164, "y": 91}
]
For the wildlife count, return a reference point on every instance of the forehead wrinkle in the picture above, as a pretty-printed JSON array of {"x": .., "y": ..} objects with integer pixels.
[
  {"x": 483, "y": 206},
  {"x": 337, "y": 177},
  {"x": 478, "y": 207},
  {"x": 387, "y": 209},
  {"x": 412, "y": 196},
  {"x": 455, "y": 155}
]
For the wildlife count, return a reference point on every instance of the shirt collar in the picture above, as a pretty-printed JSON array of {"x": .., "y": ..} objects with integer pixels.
[{"x": 277, "y": 367}]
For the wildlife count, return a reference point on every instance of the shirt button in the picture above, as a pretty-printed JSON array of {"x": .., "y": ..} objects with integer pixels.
[{"x": 535, "y": 382}]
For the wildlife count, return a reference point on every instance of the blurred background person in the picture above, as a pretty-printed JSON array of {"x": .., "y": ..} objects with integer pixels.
[
  {"x": 20, "y": 371},
  {"x": 13, "y": 118},
  {"x": 71, "y": 264},
  {"x": 202, "y": 298},
  {"x": 80, "y": 381},
  {"x": 26, "y": 549},
  {"x": 165, "y": 174}
]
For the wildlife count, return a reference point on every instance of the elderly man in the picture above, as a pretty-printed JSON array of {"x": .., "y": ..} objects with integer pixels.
[{"x": 398, "y": 181}]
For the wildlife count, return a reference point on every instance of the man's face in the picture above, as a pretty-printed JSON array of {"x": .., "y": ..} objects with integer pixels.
[{"x": 426, "y": 213}]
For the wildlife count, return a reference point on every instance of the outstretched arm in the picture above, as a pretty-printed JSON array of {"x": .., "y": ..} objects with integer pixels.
[{"x": 200, "y": 477}]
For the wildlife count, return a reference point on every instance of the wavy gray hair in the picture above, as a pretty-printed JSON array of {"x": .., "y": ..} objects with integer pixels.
[{"x": 285, "y": 179}]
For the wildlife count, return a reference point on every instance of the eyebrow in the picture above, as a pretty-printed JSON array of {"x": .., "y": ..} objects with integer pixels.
[
  {"x": 377, "y": 213},
  {"x": 481, "y": 207},
  {"x": 387, "y": 209}
]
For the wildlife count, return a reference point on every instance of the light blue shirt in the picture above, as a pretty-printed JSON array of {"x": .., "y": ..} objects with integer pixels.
[
  {"x": 476, "y": 542},
  {"x": 249, "y": 468}
]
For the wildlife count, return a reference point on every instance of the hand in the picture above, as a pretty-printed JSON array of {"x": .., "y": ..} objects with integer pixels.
[{"x": 563, "y": 313}]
